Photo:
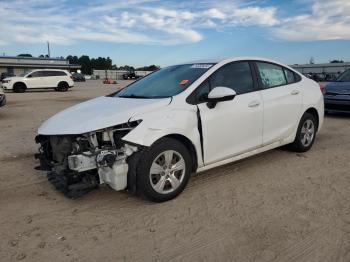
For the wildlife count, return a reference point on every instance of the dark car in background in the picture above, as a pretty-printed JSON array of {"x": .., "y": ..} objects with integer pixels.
[
  {"x": 337, "y": 94},
  {"x": 130, "y": 75},
  {"x": 77, "y": 77}
]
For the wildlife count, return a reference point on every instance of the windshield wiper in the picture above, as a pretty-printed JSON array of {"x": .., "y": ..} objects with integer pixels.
[
  {"x": 137, "y": 96},
  {"x": 133, "y": 96}
]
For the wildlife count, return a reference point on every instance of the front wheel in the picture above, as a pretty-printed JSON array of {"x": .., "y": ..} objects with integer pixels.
[
  {"x": 306, "y": 134},
  {"x": 164, "y": 170}
]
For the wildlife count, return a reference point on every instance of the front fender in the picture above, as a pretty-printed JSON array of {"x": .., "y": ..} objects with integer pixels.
[{"x": 156, "y": 125}]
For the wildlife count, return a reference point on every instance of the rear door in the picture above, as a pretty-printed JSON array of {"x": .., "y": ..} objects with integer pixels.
[{"x": 282, "y": 101}]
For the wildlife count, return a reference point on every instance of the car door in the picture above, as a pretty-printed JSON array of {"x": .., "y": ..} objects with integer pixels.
[
  {"x": 231, "y": 127},
  {"x": 282, "y": 101},
  {"x": 34, "y": 80}
]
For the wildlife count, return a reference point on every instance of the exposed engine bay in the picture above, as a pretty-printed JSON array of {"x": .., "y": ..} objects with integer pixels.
[{"x": 76, "y": 164}]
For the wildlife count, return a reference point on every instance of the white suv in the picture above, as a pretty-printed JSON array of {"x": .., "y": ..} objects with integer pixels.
[{"x": 58, "y": 79}]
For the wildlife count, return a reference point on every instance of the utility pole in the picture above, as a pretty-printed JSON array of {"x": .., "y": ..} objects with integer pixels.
[{"x": 48, "y": 48}]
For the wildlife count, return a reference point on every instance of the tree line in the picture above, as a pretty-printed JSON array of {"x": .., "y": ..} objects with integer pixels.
[{"x": 101, "y": 63}]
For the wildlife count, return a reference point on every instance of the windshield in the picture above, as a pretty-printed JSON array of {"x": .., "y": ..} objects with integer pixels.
[
  {"x": 344, "y": 77},
  {"x": 24, "y": 74},
  {"x": 166, "y": 82}
]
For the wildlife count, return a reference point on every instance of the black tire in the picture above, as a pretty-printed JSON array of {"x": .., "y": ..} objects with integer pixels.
[
  {"x": 62, "y": 87},
  {"x": 19, "y": 88},
  {"x": 298, "y": 145},
  {"x": 144, "y": 184}
]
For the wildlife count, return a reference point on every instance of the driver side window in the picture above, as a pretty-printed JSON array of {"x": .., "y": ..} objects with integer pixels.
[{"x": 236, "y": 75}]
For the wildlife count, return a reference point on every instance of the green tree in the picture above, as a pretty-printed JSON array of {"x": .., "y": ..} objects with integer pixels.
[
  {"x": 25, "y": 55},
  {"x": 85, "y": 63}
]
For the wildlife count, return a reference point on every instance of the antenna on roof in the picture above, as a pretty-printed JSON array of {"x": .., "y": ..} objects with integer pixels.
[{"x": 48, "y": 48}]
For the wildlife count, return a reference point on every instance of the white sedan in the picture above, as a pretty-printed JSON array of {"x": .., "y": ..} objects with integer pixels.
[{"x": 152, "y": 135}]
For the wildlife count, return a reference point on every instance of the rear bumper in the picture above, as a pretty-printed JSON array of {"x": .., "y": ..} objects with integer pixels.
[{"x": 339, "y": 105}]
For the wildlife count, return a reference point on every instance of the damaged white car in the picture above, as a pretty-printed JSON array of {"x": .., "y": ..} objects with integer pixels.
[{"x": 150, "y": 136}]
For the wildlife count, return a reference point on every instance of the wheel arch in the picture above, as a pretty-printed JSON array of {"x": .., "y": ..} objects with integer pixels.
[
  {"x": 19, "y": 83},
  {"x": 313, "y": 111},
  {"x": 189, "y": 145},
  {"x": 63, "y": 82}
]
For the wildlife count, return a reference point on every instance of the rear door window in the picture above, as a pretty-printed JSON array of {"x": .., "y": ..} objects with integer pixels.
[
  {"x": 289, "y": 76},
  {"x": 46, "y": 73},
  {"x": 271, "y": 75}
]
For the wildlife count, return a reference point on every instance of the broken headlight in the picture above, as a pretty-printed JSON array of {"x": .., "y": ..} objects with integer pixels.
[{"x": 114, "y": 135}]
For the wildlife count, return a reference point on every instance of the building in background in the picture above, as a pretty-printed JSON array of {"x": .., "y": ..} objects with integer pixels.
[
  {"x": 16, "y": 65},
  {"x": 327, "y": 71},
  {"x": 116, "y": 74}
]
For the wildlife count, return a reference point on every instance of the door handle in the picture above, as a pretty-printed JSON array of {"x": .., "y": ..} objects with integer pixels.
[
  {"x": 254, "y": 104},
  {"x": 294, "y": 92}
]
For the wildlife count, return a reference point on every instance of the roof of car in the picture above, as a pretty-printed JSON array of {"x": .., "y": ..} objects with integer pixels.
[
  {"x": 238, "y": 58},
  {"x": 45, "y": 69}
]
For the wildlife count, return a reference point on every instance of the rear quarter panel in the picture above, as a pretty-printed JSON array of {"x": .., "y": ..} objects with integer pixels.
[{"x": 312, "y": 98}]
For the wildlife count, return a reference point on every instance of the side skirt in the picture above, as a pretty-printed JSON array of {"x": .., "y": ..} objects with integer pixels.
[{"x": 244, "y": 155}]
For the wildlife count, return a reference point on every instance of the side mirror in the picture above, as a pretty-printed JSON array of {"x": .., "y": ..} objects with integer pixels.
[
  {"x": 29, "y": 76},
  {"x": 220, "y": 94}
]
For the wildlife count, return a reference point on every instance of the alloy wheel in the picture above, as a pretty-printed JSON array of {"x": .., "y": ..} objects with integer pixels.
[{"x": 167, "y": 172}]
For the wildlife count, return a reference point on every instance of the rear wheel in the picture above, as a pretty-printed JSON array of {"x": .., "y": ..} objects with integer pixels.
[
  {"x": 19, "y": 87},
  {"x": 164, "y": 170},
  {"x": 306, "y": 134},
  {"x": 62, "y": 86}
]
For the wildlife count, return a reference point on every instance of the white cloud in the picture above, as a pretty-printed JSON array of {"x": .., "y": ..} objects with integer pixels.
[
  {"x": 162, "y": 22},
  {"x": 327, "y": 20}
]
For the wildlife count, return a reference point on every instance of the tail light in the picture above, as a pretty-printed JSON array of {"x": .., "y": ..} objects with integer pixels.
[{"x": 323, "y": 89}]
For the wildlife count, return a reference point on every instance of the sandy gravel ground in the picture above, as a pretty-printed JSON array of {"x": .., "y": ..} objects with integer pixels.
[{"x": 278, "y": 206}]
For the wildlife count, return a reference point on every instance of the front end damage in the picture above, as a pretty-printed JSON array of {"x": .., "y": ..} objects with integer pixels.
[{"x": 76, "y": 164}]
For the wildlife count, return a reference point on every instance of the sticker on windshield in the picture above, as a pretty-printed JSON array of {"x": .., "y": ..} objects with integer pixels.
[
  {"x": 184, "y": 82},
  {"x": 203, "y": 66}
]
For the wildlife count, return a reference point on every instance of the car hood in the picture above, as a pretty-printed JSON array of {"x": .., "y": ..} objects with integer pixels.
[
  {"x": 338, "y": 87},
  {"x": 13, "y": 78},
  {"x": 98, "y": 113}
]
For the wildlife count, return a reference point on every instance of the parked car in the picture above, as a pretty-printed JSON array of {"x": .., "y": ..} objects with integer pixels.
[
  {"x": 5, "y": 75},
  {"x": 150, "y": 136},
  {"x": 60, "y": 80},
  {"x": 337, "y": 94},
  {"x": 130, "y": 75},
  {"x": 77, "y": 77},
  {"x": 2, "y": 97}
]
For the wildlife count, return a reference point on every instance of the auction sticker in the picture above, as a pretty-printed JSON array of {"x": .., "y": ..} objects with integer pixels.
[{"x": 203, "y": 66}]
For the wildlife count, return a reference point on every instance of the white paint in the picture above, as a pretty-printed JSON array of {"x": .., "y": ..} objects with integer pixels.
[{"x": 249, "y": 124}]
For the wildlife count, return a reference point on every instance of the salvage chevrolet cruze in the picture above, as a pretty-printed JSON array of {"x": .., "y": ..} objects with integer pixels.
[{"x": 152, "y": 135}]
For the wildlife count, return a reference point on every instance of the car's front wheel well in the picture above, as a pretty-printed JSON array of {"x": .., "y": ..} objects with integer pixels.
[
  {"x": 190, "y": 147},
  {"x": 313, "y": 111},
  {"x": 19, "y": 87}
]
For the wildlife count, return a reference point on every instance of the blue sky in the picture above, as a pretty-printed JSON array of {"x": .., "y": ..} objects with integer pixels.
[{"x": 143, "y": 32}]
